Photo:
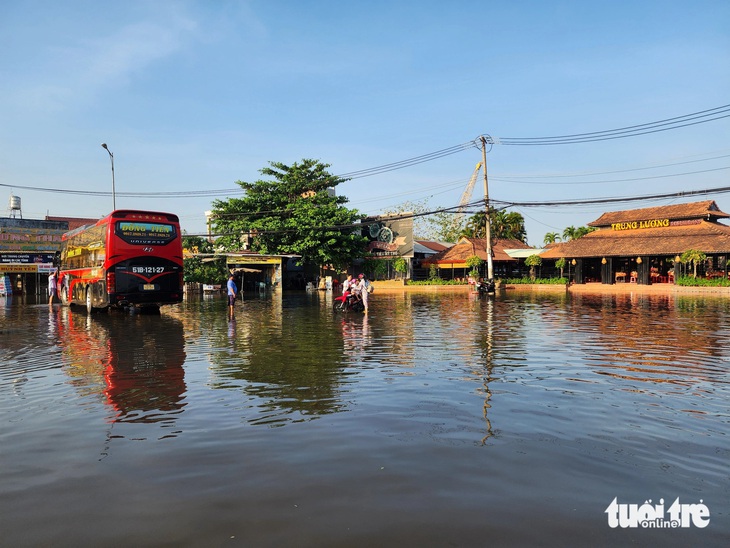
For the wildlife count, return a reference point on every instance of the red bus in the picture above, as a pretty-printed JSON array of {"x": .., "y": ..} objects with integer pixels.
[{"x": 129, "y": 258}]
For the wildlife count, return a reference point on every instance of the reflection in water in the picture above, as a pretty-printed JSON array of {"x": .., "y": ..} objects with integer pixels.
[
  {"x": 134, "y": 361},
  {"x": 287, "y": 371},
  {"x": 488, "y": 356},
  {"x": 432, "y": 410}
]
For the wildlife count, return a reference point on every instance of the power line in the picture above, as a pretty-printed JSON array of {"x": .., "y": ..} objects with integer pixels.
[
  {"x": 594, "y": 173},
  {"x": 667, "y": 124},
  {"x": 619, "y": 133},
  {"x": 681, "y": 194},
  {"x": 614, "y": 180},
  {"x": 408, "y": 162}
]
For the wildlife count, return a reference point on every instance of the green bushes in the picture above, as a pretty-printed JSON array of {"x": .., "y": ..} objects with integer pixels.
[
  {"x": 690, "y": 281},
  {"x": 527, "y": 280},
  {"x": 436, "y": 281}
]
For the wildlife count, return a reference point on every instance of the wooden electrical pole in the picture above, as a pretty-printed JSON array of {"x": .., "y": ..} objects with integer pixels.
[{"x": 488, "y": 227}]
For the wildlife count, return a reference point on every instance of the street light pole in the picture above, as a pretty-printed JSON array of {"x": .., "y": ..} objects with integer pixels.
[{"x": 114, "y": 194}]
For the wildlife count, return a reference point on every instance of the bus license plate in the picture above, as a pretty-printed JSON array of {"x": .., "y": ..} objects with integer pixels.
[{"x": 148, "y": 287}]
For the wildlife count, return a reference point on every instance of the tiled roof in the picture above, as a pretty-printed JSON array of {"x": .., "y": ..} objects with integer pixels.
[
  {"x": 467, "y": 247},
  {"x": 705, "y": 236},
  {"x": 693, "y": 210}
]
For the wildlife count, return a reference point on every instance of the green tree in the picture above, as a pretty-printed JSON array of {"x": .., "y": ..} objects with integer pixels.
[
  {"x": 420, "y": 225},
  {"x": 293, "y": 212},
  {"x": 444, "y": 227},
  {"x": 504, "y": 226},
  {"x": 474, "y": 262},
  {"x": 532, "y": 261},
  {"x": 475, "y": 226},
  {"x": 441, "y": 226},
  {"x": 551, "y": 238},
  {"x": 573, "y": 233},
  {"x": 376, "y": 269},
  {"x": 400, "y": 265},
  {"x": 560, "y": 263},
  {"x": 198, "y": 270},
  {"x": 693, "y": 256}
]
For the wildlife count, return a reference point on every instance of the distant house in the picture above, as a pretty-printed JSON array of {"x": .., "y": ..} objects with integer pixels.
[
  {"x": 73, "y": 222},
  {"x": 451, "y": 262},
  {"x": 422, "y": 251}
]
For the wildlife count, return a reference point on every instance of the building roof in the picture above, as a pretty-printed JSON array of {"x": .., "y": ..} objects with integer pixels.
[
  {"x": 695, "y": 210},
  {"x": 73, "y": 222},
  {"x": 457, "y": 255},
  {"x": 523, "y": 253},
  {"x": 705, "y": 236},
  {"x": 426, "y": 246}
]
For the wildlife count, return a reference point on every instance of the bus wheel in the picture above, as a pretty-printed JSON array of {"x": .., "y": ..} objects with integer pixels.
[{"x": 89, "y": 307}]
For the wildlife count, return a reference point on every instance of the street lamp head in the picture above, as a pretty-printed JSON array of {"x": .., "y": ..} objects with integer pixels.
[{"x": 104, "y": 146}]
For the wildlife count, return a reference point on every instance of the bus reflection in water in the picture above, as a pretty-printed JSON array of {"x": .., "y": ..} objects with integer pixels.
[
  {"x": 135, "y": 362},
  {"x": 129, "y": 258}
]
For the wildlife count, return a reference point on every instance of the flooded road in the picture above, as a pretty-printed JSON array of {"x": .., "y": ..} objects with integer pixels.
[{"x": 439, "y": 420}]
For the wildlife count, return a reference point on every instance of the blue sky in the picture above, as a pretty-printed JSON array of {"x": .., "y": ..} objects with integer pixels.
[{"x": 195, "y": 95}]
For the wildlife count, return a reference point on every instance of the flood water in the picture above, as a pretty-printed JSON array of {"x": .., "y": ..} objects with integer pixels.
[{"x": 438, "y": 420}]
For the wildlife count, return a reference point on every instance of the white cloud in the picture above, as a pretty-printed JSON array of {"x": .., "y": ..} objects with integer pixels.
[{"x": 79, "y": 70}]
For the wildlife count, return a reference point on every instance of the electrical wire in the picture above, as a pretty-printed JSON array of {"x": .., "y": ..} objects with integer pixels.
[
  {"x": 628, "y": 131},
  {"x": 377, "y": 170},
  {"x": 594, "y": 173},
  {"x": 604, "y": 181},
  {"x": 694, "y": 118}
]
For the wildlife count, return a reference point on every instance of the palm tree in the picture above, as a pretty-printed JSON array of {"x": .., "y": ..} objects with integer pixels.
[
  {"x": 504, "y": 226},
  {"x": 515, "y": 227},
  {"x": 551, "y": 238},
  {"x": 572, "y": 233},
  {"x": 475, "y": 226},
  {"x": 693, "y": 256},
  {"x": 569, "y": 233}
]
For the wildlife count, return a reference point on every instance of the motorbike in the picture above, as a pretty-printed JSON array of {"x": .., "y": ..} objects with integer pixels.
[
  {"x": 348, "y": 302},
  {"x": 485, "y": 287}
]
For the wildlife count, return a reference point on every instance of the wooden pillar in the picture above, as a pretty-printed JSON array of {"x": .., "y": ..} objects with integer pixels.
[{"x": 607, "y": 271}]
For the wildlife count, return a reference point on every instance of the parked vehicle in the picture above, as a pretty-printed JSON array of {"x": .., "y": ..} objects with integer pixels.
[
  {"x": 486, "y": 287},
  {"x": 129, "y": 258}
]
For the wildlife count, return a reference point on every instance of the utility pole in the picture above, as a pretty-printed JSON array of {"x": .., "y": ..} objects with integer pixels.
[{"x": 488, "y": 227}]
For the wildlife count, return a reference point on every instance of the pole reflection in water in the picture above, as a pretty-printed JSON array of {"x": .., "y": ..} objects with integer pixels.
[{"x": 488, "y": 355}]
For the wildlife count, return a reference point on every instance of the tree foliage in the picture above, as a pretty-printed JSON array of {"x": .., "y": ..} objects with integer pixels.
[
  {"x": 573, "y": 233},
  {"x": 551, "y": 238},
  {"x": 473, "y": 262},
  {"x": 504, "y": 225},
  {"x": 441, "y": 226},
  {"x": 532, "y": 261},
  {"x": 400, "y": 265},
  {"x": 292, "y": 212},
  {"x": 198, "y": 271},
  {"x": 693, "y": 256}
]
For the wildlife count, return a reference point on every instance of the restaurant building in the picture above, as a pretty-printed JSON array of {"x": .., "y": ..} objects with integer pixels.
[{"x": 644, "y": 246}]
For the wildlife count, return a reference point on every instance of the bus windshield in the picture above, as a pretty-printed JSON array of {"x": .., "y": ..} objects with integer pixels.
[{"x": 142, "y": 233}]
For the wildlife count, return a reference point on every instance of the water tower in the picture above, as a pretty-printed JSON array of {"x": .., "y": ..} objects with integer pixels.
[{"x": 14, "y": 206}]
